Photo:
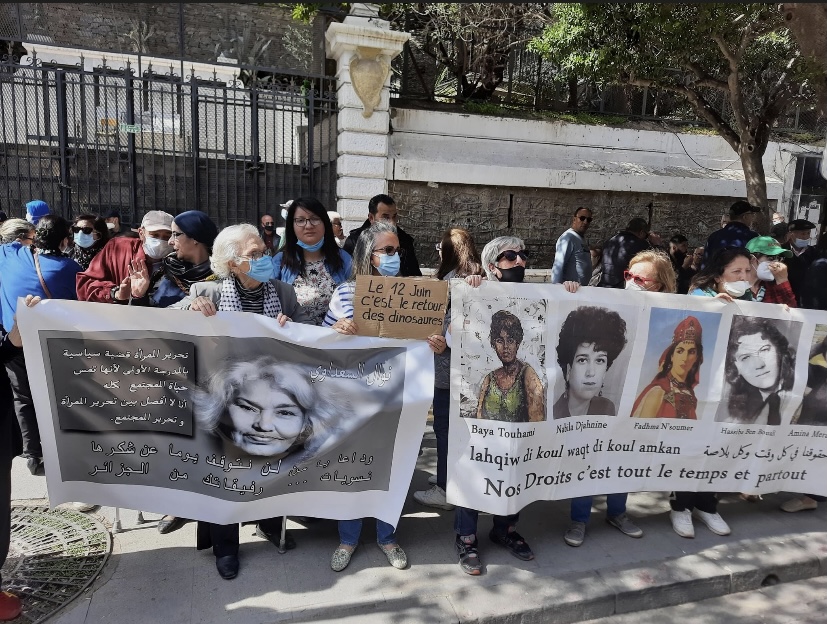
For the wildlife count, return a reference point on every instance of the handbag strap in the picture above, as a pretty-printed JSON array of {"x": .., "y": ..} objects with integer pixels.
[{"x": 40, "y": 275}]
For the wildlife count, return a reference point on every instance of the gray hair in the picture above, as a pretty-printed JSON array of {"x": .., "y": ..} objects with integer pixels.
[
  {"x": 493, "y": 248},
  {"x": 227, "y": 246},
  {"x": 14, "y": 229},
  {"x": 364, "y": 247},
  {"x": 210, "y": 404}
]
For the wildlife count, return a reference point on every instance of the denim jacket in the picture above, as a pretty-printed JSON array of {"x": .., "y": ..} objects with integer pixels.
[{"x": 289, "y": 276}]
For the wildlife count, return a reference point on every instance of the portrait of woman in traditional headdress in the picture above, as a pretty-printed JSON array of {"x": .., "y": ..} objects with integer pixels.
[{"x": 671, "y": 394}]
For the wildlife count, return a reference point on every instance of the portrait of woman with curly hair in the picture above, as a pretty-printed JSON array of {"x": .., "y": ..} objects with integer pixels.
[{"x": 591, "y": 338}]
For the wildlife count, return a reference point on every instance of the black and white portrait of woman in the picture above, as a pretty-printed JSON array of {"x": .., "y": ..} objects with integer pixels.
[
  {"x": 591, "y": 339},
  {"x": 759, "y": 370},
  {"x": 813, "y": 409},
  {"x": 266, "y": 407}
]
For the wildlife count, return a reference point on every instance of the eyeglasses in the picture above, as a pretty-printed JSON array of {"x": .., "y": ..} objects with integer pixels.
[
  {"x": 302, "y": 222},
  {"x": 390, "y": 250},
  {"x": 175, "y": 235},
  {"x": 511, "y": 255},
  {"x": 637, "y": 279},
  {"x": 85, "y": 230},
  {"x": 586, "y": 219},
  {"x": 252, "y": 257}
]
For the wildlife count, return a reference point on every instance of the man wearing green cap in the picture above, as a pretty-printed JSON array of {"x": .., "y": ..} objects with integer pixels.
[{"x": 771, "y": 285}]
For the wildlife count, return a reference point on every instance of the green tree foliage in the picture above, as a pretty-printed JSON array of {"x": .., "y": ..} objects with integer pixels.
[{"x": 697, "y": 51}]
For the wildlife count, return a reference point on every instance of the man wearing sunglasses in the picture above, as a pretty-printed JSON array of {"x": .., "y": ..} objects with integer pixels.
[
  {"x": 572, "y": 261},
  {"x": 383, "y": 208}
]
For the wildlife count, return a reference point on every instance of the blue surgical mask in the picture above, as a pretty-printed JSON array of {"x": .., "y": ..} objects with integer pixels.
[
  {"x": 261, "y": 269},
  {"x": 801, "y": 243},
  {"x": 84, "y": 240},
  {"x": 389, "y": 265},
  {"x": 315, "y": 247}
]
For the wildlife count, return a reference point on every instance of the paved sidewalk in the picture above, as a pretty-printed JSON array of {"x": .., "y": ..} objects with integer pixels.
[{"x": 162, "y": 578}]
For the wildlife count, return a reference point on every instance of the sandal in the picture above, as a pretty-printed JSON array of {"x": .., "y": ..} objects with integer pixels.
[{"x": 469, "y": 559}]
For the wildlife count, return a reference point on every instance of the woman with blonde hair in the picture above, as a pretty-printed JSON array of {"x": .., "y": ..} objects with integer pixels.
[{"x": 651, "y": 270}]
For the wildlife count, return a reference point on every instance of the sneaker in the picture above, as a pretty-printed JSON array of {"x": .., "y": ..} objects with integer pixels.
[
  {"x": 682, "y": 523},
  {"x": 35, "y": 466},
  {"x": 434, "y": 497},
  {"x": 713, "y": 521},
  {"x": 804, "y": 503},
  {"x": 624, "y": 524},
  {"x": 10, "y": 606},
  {"x": 432, "y": 480},
  {"x": 515, "y": 544},
  {"x": 575, "y": 534},
  {"x": 469, "y": 559},
  {"x": 396, "y": 556}
]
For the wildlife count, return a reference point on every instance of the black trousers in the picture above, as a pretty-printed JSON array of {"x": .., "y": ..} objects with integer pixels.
[
  {"x": 703, "y": 501},
  {"x": 224, "y": 538},
  {"x": 24, "y": 406},
  {"x": 7, "y": 427}
]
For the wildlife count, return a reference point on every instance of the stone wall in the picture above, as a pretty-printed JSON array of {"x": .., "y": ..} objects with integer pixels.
[
  {"x": 539, "y": 216},
  {"x": 112, "y": 26}
]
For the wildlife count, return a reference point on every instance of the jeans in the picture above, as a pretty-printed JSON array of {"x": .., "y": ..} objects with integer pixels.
[
  {"x": 465, "y": 522},
  {"x": 442, "y": 402},
  {"x": 702, "y": 501},
  {"x": 581, "y": 508},
  {"x": 349, "y": 531}
]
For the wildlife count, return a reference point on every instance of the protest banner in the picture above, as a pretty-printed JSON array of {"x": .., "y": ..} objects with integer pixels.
[
  {"x": 225, "y": 419},
  {"x": 399, "y": 307},
  {"x": 557, "y": 395}
]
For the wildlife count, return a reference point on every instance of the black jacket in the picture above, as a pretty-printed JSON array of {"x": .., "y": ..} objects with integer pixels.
[
  {"x": 410, "y": 265},
  {"x": 797, "y": 269},
  {"x": 618, "y": 251}
]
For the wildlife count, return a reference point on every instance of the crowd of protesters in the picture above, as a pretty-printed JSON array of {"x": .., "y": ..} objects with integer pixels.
[{"x": 305, "y": 272}]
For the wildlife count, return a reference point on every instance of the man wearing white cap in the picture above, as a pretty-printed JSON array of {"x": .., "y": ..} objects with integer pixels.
[{"x": 108, "y": 278}]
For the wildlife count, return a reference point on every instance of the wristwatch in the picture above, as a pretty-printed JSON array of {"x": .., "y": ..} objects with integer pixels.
[{"x": 114, "y": 292}]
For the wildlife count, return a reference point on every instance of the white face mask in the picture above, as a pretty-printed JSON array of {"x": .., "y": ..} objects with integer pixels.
[
  {"x": 157, "y": 248},
  {"x": 736, "y": 289},
  {"x": 630, "y": 285},
  {"x": 763, "y": 272}
]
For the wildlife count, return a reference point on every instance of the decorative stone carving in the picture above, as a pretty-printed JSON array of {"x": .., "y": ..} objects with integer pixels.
[{"x": 368, "y": 71}]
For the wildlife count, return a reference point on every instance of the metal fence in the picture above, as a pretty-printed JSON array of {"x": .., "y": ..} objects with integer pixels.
[
  {"x": 531, "y": 82},
  {"x": 94, "y": 140}
]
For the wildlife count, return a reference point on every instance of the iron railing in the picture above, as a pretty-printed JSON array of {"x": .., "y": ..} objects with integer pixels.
[{"x": 104, "y": 138}]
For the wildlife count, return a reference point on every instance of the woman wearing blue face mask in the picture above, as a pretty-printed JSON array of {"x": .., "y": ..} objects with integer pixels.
[
  {"x": 376, "y": 253},
  {"x": 89, "y": 235},
  {"x": 246, "y": 283},
  {"x": 311, "y": 260}
]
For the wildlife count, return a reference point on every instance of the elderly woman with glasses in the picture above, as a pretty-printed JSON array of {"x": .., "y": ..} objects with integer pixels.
[
  {"x": 311, "y": 259},
  {"x": 17, "y": 231},
  {"x": 246, "y": 283},
  {"x": 377, "y": 252}
]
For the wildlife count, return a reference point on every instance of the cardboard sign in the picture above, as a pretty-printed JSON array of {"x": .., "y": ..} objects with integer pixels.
[{"x": 399, "y": 307}]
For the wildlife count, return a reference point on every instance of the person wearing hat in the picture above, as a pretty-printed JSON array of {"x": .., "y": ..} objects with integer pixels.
[
  {"x": 736, "y": 233},
  {"x": 113, "y": 222},
  {"x": 803, "y": 254},
  {"x": 36, "y": 210},
  {"x": 771, "y": 284},
  {"x": 110, "y": 274}
]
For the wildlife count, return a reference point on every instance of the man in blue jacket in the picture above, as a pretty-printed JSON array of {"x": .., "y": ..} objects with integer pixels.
[{"x": 737, "y": 233}]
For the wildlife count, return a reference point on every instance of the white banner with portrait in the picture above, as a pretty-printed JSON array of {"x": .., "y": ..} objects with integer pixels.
[
  {"x": 225, "y": 419},
  {"x": 557, "y": 395}
]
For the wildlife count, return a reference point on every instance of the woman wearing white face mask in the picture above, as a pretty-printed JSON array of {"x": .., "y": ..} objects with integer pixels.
[
  {"x": 89, "y": 234},
  {"x": 727, "y": 276},
  {"x": 652, "y": 271},
  {"x": 771, "y": 285}
]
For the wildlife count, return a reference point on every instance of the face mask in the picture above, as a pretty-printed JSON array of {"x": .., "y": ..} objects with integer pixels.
[
  {"x": 736, "y": 289},
  {"x": 262, "y": 269},
  {"x": 630, "y": 285},
  {"x": 84, "y": 240},
  {"x": 763, "y": 272},
  {"x": 801, "y": 243},
  {"x": 110, "y": 226},
  {"x": 268, "y": 227},
  {"x": 389, "y": 265},
  {"x": 514, "y": 274},
  {"x": 157, "y": 248},
  {"x": 315, "y": 247}
]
